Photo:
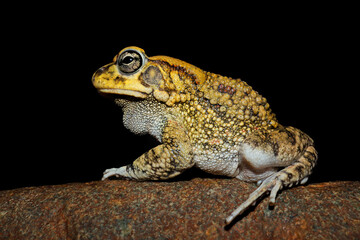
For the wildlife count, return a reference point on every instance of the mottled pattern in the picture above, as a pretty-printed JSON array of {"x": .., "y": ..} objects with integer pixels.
[
  {"x": 192, "y": 209},
  {"x": 216, "y": 123}
]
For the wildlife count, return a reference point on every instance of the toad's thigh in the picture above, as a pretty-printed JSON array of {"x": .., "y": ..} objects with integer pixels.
[{"x": 279, "y": 148}]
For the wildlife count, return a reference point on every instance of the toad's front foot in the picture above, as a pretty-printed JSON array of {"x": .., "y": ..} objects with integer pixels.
[{"x": 117, "y": 172}]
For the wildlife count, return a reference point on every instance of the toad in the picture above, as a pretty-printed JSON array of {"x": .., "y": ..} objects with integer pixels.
[{"x": 201, "y": 119}]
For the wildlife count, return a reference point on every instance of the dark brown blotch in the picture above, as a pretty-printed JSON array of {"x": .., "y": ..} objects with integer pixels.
[{"x": 226, "y": 89}]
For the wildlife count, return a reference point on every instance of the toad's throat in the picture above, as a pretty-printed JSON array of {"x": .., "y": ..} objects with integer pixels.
[{"x": 123, "y": 92}]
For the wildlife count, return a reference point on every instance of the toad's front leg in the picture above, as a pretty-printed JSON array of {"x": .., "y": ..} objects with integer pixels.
[
  {"x": 287, "y": 148},
  {"x": 161, "y": 162}
]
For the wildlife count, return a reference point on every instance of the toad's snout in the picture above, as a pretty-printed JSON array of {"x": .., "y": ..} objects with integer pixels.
[{"x": 96, "y": 76}]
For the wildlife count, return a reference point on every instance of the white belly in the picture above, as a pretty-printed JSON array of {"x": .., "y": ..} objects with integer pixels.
[
  {"x": 243, "y": 162},
  {"x": 220, "y": 163}
]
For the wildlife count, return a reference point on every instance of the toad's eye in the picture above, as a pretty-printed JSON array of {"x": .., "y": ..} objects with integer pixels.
[{"x": 129, "y": 61}]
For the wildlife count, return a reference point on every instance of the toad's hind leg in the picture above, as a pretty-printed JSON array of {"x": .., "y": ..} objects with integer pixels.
[{"x": 289, "y": 148}]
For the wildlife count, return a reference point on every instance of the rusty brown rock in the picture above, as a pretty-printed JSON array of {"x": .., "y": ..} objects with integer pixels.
[{"x": 177, "y": 210}]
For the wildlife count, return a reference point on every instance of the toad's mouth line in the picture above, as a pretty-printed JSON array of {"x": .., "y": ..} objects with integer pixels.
[{"x": 124, "y": 92}]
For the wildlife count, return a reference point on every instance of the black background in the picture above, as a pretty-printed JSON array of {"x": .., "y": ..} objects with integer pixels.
[{"x": 57, "y": 129}]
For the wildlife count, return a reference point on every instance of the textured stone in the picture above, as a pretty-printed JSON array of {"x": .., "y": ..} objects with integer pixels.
[{"x": 178, "y": 210}]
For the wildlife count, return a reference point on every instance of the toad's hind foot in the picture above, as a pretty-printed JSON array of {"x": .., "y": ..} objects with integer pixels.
[
  {"x": 272, "y": 184},
  {"x": 296, "y": 173}
]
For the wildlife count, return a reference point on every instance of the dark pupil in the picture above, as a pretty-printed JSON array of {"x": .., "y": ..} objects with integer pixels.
[{"x": 127, "y": 60}]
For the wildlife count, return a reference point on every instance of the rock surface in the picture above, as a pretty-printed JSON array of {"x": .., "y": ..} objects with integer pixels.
[{"x": 194, "y": 209}]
